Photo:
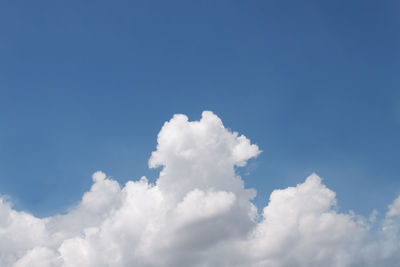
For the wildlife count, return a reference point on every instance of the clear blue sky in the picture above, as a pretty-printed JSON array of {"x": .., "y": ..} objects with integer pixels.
[{"x": 87, "y": 85}]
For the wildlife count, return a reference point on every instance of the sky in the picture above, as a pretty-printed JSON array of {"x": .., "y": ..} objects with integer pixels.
[{"x": 86, "y": 86}]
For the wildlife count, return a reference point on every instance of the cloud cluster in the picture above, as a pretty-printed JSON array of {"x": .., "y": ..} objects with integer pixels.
[{"x": 199, "y": 213}]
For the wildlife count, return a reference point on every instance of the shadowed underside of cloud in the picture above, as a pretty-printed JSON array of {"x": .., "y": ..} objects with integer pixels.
[{"x": 199, "y": 213}]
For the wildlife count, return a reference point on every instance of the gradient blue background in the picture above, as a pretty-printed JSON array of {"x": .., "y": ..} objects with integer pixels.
[{"x": 87, "y": 85}]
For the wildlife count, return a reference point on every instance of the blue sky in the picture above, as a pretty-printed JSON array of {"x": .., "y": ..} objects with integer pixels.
[{"x": 86, "y": 86}]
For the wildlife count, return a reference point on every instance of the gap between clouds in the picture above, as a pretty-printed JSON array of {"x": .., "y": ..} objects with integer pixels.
[{"x": 199, "y": 213}]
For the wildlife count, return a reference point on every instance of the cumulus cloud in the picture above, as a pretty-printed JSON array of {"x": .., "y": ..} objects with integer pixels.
[
  {"x": 199, "y": 213},
  {"x": 394, "y": 209}
]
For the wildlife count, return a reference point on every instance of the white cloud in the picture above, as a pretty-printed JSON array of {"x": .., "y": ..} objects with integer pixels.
[
  {"x": 305, "y": 228},
  {"x": 394, "y": 209},
  {"x": 198, "y": 213},
  {"x": 39, "y": 257}
]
